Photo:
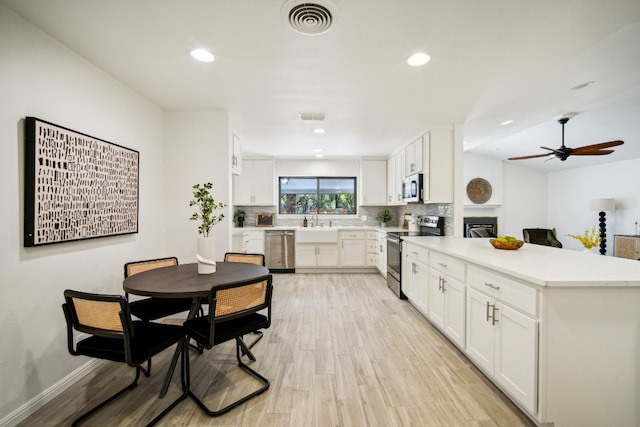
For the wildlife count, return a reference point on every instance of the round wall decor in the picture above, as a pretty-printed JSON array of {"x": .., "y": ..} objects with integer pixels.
[{"x": 479, "y": 190}]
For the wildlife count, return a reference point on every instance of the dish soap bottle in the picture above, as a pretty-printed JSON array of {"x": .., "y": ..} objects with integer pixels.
[{"x": 304, "y": 222}]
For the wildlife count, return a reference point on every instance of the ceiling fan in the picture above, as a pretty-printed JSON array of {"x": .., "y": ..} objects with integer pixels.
[{"x": 564, "y": 152}]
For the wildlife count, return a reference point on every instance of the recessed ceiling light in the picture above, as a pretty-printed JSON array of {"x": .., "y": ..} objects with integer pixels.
[
  {"x": 318, "y": 150},
  {"x": 318, "y": 130},
  {"x": 202, "y": 55},
  {"x": 319, "y": 155},
  {"x": 418, "y": 59},
  {"x": 506, "y": 122}
]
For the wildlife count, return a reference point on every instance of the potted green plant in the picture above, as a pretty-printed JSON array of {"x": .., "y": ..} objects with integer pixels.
[
  {"x": 238, "y": 217},
  {"x": 384, "y": 217},
  {"x": 206, "y": 214}
]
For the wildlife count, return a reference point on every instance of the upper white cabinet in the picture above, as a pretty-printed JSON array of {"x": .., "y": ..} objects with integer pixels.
[
  {"x": 413, "y": 162},
  {"x": 438, "y": 158},
  {"x": 373, "y": 182},
  {"x": 236, "y": 156},
  {"x": 256, "y": 185},
  {"x": 395, "y": 175}
]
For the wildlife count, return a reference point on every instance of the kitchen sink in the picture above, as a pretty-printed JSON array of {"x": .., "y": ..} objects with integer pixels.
[{"x": 317, "y": 235}]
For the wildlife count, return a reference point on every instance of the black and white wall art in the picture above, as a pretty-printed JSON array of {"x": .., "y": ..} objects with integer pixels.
[{"x": 76, "y": 186}]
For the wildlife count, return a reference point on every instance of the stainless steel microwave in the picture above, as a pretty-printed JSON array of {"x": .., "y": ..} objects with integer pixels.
[{"x": 412, "y": 188}]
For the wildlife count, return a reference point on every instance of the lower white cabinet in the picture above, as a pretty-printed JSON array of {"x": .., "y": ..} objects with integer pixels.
[
  {"x": 248, "y": 242},
  {"x": 417, "y": 284},
  {"x": 503, "y": 342},
  {"x": 372, "y": 249},
  {"x": 447, "y": 305},
  {"x": 352, "y": 249},
  {"x": 415, "y": 277},
  {"x": 381, "y": 258},
  {"x": 317, "y": 255}
]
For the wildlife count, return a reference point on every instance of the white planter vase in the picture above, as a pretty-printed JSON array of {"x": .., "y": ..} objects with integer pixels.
[{"x": 206, "y": 255}]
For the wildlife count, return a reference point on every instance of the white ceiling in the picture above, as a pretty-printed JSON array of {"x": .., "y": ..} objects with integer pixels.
[{"x": 492, "y": 60}]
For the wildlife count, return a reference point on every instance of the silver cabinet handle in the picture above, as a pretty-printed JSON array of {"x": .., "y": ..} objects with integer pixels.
[
  {"x": 492, "y": 316},
  {"x": 443, "y": 265},
  {"x": 492, "y": 286}
]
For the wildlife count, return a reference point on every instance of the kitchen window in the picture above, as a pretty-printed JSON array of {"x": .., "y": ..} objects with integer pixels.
[{"x": 317, "y": 195}]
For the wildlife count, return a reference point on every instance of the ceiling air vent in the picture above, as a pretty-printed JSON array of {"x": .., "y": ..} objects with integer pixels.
[{"x": 310, "y": 18}]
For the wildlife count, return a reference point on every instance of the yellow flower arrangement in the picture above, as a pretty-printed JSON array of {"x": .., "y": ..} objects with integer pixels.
[{"x": 589, "y": 240}]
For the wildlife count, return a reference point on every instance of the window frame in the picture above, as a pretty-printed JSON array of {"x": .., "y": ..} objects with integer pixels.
[{"x": 318, "y": 178}]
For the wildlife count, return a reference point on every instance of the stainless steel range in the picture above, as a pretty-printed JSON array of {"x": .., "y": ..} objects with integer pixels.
[{"x": 428, "y": 226}]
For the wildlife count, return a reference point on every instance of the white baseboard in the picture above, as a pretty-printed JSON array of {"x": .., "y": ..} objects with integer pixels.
[{"x": 30, "y": 407}]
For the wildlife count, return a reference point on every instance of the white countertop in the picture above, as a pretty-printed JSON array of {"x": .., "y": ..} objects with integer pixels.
[
  {"x": 541, "y": 265},
  {"x": 237, "y": 230}
]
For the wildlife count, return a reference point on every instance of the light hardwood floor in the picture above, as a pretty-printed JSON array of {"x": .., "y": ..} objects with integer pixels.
[{"x": 342, "y": 350}]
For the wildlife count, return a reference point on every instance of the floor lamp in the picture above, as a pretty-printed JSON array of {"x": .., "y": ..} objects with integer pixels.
[{"x": 602, "y": 205}]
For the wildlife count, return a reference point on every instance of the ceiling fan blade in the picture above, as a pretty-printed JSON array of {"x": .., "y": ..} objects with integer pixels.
[
  {"x": 593, "y": 153},
  {"x": 596, "y": 147},
  {"x": 530, "y": 157}
]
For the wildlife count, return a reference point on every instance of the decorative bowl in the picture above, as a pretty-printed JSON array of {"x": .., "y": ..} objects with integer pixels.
[{"x": 506, "y": 245}]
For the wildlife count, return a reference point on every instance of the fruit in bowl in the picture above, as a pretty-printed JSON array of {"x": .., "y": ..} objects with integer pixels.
[{"x": 506, "y": 242}]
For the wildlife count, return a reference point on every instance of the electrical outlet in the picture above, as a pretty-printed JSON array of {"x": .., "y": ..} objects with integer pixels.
[{"x": 363, "y": 217}]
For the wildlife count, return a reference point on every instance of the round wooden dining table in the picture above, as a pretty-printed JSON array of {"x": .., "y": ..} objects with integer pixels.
[{"x": 183, "y": 280}]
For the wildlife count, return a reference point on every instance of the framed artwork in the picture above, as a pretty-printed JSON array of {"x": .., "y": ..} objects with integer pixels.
[
  {"x": 405, "y": 220},
  {"x": 76, "y": 186},
  {"x": 265, "y": 219}
]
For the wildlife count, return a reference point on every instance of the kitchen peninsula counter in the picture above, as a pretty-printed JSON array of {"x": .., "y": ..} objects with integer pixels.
[
  {"x": 543, "y": 266},
  {"x": 557, "y": 330}
]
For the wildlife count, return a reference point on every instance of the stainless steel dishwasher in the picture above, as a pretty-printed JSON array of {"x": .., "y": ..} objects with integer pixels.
[{"x": 280, "y": 251}]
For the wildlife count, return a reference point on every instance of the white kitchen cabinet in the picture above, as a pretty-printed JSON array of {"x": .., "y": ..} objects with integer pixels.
[
  {"x": 317, "y": 255},
  {"x": 447, "y": 297},
  {"x": 438, "y": 160},
  {"x": 248, "y": 242},
  {"x": 236, "y": 156},
  {"x": 415, "y": 277},
  {"x": 501, "y": 339},
  {"x": 395, "y": 175},
  {"x": 253, "y": 242},
  {"x": 372, "y": 249},
  {"x": 373, "y": 183},
  {"x": 352, "y": 248},
  {"x": 414, "y": 157},
  {"x": 256, "y": 185},
  {"x": 381, "y": 259}
]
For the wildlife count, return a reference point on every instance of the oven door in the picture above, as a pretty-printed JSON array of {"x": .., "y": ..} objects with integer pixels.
[{"x": 394, "y": 265}]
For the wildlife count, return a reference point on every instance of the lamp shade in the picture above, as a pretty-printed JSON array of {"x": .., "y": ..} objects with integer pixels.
[{"x": 602, "y": 205}]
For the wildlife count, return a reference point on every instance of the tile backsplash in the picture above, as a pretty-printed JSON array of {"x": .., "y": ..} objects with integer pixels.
[{"x": 370, "y": 212}]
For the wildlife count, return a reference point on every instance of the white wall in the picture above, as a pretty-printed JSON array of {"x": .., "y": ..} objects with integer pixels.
[
  {"x": 40, "y": 77},
  {"x": 197, "y": 152},
  {"x": 325, "y": 167},
  {"x": 569, "y": 192},
  {"x": 560, "y": 200}
]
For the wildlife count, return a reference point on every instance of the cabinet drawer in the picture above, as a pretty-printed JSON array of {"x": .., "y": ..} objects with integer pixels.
[
  {"x": 509, "y": 291},
  {"x": 448, "y": 265},
  {"x": 372, "y": 246},
  {"x": 372, "y": 234},
  {"x": 418, "y": 253},
  {"x": 352, "y": 234}
]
